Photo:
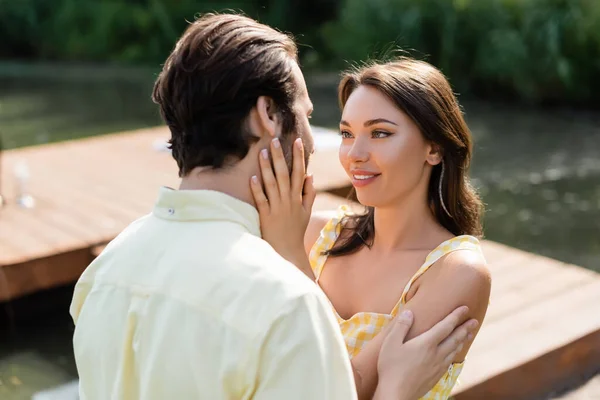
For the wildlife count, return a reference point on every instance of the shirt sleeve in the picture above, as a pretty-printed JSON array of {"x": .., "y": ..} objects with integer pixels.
[
  {"x": 80, "y": 293},
  {"x": 304, "y": 356}
]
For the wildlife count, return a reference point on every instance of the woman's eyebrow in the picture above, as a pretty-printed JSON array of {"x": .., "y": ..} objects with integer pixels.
[{"x": 372, "y": 122}]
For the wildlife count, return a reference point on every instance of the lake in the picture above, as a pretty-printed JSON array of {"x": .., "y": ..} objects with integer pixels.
[{"x": 538, "y": 172}]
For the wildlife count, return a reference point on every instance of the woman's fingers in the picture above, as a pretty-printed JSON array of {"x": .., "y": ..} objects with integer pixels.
[
  {"x": 309, "y": 193},
  {"x": 277, "y": 184},
  {"x": 455, "y": 342},
  {"x": 262, "y": 203},
  {"x": 444, "y": 329},
  {"x": 270, "y": 184},
  {"x": 298, "y": 167},
  {"x": 282, "y": 172}
]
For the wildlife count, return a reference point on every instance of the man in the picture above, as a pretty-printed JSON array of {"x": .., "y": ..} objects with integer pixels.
[{"x": 189, "y": 302}]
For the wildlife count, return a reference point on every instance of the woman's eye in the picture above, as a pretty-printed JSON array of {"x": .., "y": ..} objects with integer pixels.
[
  {"x": 380, "y": 134},
  {"x": 346, "y": 134}
]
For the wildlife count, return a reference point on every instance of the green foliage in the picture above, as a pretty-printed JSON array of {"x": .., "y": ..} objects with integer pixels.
[
  {"x": 542, "y": 51},
  {"x": 539, "y": 51},
  {"x": 131, "y": 31},
  {"x": 125, "y": 31}
]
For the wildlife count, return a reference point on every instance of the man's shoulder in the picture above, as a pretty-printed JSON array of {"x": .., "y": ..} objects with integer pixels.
[
  {"x": 127, "y": 233},
  {"x": 262, "y": 264},
  {"x": 118, "y": 241},
  {"x": 271, "y": 279}
]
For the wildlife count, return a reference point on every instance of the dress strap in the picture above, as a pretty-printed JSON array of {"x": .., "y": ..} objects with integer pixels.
[
  {"x": 464, "y": 242},
  {"x": 326, "y": 240}
]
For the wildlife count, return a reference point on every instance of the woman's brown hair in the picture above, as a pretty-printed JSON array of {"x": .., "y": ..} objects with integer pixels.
[{"x": 423, "y": 93}]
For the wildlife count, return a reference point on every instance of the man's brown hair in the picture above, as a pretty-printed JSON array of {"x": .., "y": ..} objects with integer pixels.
[{"x": 219, "y": 68}]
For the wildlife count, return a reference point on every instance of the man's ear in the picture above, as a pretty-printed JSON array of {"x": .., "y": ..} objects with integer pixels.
[
  {"x": 434, "y": 154},
  {"x": 265, "y": 118}
]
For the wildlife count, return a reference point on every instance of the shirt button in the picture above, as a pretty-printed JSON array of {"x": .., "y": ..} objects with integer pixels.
[{"x": 171, "y": 211}]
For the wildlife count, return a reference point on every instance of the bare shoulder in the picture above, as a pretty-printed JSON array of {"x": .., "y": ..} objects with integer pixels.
[
  {"x": 465, "y": 266},
  {"x": 461, "y": 278}
]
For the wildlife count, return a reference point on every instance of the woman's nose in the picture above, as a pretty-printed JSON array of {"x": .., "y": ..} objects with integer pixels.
[{"x": 359, "y": 151}]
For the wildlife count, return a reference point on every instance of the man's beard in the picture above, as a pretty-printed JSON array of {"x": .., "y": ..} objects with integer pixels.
[{"x": 287, "y": 144}]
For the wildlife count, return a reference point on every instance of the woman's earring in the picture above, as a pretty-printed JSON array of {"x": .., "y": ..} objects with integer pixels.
[{"x": 440, "y": 190}]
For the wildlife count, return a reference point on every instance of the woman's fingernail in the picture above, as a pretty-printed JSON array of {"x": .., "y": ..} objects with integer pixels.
[
  {"x": 470, "y": 337},
  {"x": 298, "y": 143},
  {"x": 264, "y": 154},
  {"x": 406, "y": 314},
  {"x": 276, "y": 143},
  {"x": 254, "y": 179}
]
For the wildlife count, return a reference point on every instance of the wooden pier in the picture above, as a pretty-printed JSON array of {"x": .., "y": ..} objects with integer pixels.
[{"x": 541, "y": 333}]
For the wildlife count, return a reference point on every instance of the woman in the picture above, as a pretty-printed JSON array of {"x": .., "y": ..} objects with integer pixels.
[{"x": 407, "y": 149}]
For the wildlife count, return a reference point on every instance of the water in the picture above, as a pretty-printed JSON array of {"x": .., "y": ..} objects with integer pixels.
[
  {"x": 538, "y": 172},
  {"x": 47, "y": 104}
]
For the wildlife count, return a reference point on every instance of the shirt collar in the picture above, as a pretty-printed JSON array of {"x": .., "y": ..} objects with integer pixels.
[{"x": 205, "y": 205}]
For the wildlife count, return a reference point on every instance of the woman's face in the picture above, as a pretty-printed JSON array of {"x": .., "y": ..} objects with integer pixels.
[{"x": 383, "y": 151}]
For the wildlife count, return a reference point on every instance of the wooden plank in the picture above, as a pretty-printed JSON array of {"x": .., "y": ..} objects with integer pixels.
[
  {"x": 29, "y": 225},
  {"x": 327, "y": 171},
  {"x": 496, "y": 251},
  {"x": 552, "y": 372},
  {"x": 546, "y": 318},
  {"x": 508, "y": 261},
  {"x": 548, "y": 344},
  {"x": 21, "y": 242},
  {"x": 511, "y": 300},
  {"x": 96, "y": 250},
  {"x": 74, "y": 186},
  {"x": 325, "y": 166},
  {"x": 18, "y": 280}
]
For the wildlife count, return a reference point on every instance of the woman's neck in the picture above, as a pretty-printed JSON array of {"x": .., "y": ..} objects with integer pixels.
[{"x": 407, "y": 225}]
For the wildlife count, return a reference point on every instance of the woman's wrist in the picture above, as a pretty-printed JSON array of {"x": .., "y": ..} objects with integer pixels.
[
  {"x": 299, "y": 258},
  {"x": 389, "y": 388},
  {"x": 304, "y": 266}
]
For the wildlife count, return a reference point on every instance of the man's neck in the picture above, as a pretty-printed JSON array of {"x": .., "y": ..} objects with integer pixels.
[{"x": 233, "y": 181}]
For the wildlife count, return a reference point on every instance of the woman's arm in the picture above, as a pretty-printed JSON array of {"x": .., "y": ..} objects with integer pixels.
[
  {"x": 460, "y": 278},
  {"x": 408, "y": 369}
]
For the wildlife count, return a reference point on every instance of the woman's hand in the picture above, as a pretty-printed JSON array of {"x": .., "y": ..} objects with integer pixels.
[
  {"x": 285, "y": 203},
  {"x": 409, "y": 369}
]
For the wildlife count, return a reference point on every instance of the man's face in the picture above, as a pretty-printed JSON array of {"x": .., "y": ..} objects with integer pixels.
[{"x": 302, "y": 109}]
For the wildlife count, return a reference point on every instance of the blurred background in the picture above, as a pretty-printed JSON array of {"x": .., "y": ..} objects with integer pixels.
[{"x": 526, "y": 72}]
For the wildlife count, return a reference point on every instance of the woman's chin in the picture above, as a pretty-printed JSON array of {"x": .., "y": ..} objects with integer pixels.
[
  {"x": 366, "y": 201},
  {"x": 374, "y": 199}
]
